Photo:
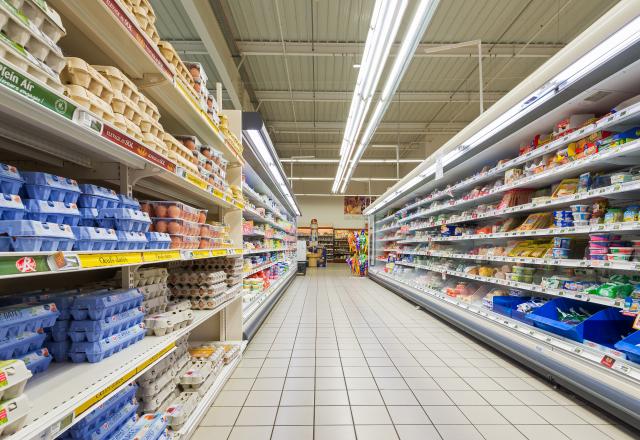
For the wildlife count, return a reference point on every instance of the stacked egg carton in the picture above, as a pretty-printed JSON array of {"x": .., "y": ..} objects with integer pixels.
[
  {"x": 182, "y": 72},
  {"x": 178, "y": 315},
  {"x": 144, "y": 16},
  {"x": 229, "y": 137},
  {"x": 233, "y": 268},
  {"x": 207, "y": 101},
  {"x": 13, "y": 403},
  {"x": 202, "y": 282},
  {"x": 152, "y": 283},
  {"x": 182, "y": 222},
  {"x": 211, "y": 164},
  {"x": 29, "y": 32}
]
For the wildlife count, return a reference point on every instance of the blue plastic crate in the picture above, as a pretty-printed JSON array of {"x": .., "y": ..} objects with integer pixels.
[
  {"x": 131, "y": 241},
  {"x": 630, "y": 346},
  {"x": 44, "y": 186},
  {"x": 10, "y": 179},
  {"x": 128, "y": 202},
  {"x": 11, "y": 207},
  {"x": 52, "y": 212},
  {"x": 96, "y": 351},
  {"x": 103, "y": 411},
  {"x": 546, "y": 317},
  {"x": 23, "y": 343},
  {"x": 58, "y": 349},
  {"x": 506, "y": 305},
  {"x": 607, "y": 326},
  {"x": 94, "y": 196},
  {"x": 92, "y": 331},
  {"x": 88, "y": 217},
  {"x": 26, "y": 318},
  {"x": 37, "y": 361},
  {"x": 105, "y": 303},
  {"x": 89, "y": 238},
  {"x": 158, "y": 240},
  {"x": 124, "y": 219},
  {"x": 34, "y": 236}
]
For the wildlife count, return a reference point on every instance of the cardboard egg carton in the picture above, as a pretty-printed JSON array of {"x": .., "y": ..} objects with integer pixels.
[
  {"x": 149, "y": 108},
  {"x": 167, "y": 322},
  {"x": 24, "y": 61},
  {"x": 156, "y": 305},
  {"x": 43, "y": 16},
  {"x": 124, "y": 106},
  {"x": 155, "y": 290},
  {"x": 120, "y": 82},
  {"x": 155, "y": 144},
  {"x": 84, "y": 98},
  {"x": 147, "y": 276},
  {"x": 172, "y": 57},
  {"x": 80, "y": 73},
  {"x": 127, "y": 127}
]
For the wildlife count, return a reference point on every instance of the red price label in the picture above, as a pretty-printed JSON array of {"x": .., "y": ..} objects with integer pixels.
[{"x": 608, "y": 361}]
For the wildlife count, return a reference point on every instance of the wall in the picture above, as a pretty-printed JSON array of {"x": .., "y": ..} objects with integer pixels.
[{"x": 329, "y": 211}]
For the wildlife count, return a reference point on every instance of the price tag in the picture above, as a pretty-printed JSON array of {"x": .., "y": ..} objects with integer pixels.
[
  {"x": 200, "y": 253},
  {"x": 607, "y": 361},
  {"x": 165, "y": 255},
  {"x": 107, "y": 260}
]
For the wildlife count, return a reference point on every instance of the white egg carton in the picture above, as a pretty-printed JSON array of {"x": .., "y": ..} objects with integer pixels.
[
  {"x": 231, "y": 350},
  {"x": 167, "y": 322},
  {"x": 42, "y": 16},
  {"x": 175, "y": 361},
  {"x": 148, "y": 389},
  {"x": 217, "y": 368},
  {"x": 151, "y": 291},
  {"x": 14, "y": 375},
  {"x": 15, "y": 412},
  {"x": 154, "y": 403},
  {"x": 147, "y": 276},
  {"x": 178, "y": 306},
  {"x": 180, "y": 409},
  {"x": 195, "y": 375}
]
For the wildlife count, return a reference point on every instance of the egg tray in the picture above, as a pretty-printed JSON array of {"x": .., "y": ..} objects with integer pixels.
[
  {"x": 89, "y": 238},
  {"x": 173, "y": 209},
  {"x": 184, "y": 163},
  {"x": 158, "y": 241},
  {"x": 147, "y": 276},
  {"x": 124, "y": 219},
  {"x": 195, "y": 375},
  {"x": 155, "y": 305},
  {"x": 84, "y": 98},
  {"x": 92, "y": 331},
  {"x": 176, "y": 146},
  {"x": 156, "y": 402},
  {"x": 208, "y": 383},
  {"x": 15, "y": 320},
  {"x": 150, "y": 389},
  {"x": 21, "y": 30},
  {"x": 96, "y": 351},
  {"x": 196, "y": 277},
  {"x": 175, "y": 361},
  {"x": 104, "y": 303},
  {"x": 147, "y": 427},
  {"x": 16, "y": 412},
  {"x": 172, "y": 57},
  {"x": 16, "y": 374},
  {"x": 80, "y": 73},
  {"x": 199, "y": 289},
  {"x": 38, "y": 360},
  {"x": 151, "y": 291},
  {"x": 124, "y": 106},
  {"x": 178, "y": 306},
  {"x": 130, "y": 129},
  {"x": 184, "y": 242},
  {"x": 21, "y": 344},
  {"x": 122, "y": 416},
  {"x": 180, "y": 409},
  {"x": 231, "y": 351},
  {"x": 120, "y": 83},
  {"x": 168, "y": 322},
  {"x": 43, "y": 17}
]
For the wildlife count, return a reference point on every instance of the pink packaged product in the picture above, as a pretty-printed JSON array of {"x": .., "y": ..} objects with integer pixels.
[
  {"x": 176, "y": 226},
  {"x": 172, "y": 209},
  {"x": 184, "y": 242}
]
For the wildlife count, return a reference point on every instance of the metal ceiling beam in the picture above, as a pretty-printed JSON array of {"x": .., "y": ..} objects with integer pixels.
[{"x": 400, "y": 97}]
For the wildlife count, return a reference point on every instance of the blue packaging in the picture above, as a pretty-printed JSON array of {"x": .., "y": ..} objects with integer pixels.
[
  {"x": 21, "y": 344},
  {"x": 546, "y": 317},
  {"x": 124, "y": 219},
  {"x": 104, "y": 410},
  {"x": 96, "y": 351},
  {"x": 10, "y": 179},
  {"x": 104, "y": 303},
  {"x": 26, "y": 318},
  {"x": 34, "y": 236},
  {"x": 11, "y": 207},
  {"x": 148, "y": 427},
  {"x": 130, "y": 241},
  {"x": 93, "y": 331},
  {"x": 124, "y": 432},
  {"x": 110, "y": 425},
  {"x": 52, "y": 212},
  {"x": 58, "y": 349},
  {"x": 89, "y": 238},
  {"x": 37, "y": 361},
  {"x": 88, "y": 217},
  {"x": 128, "y": 202},
  {"x": 630, "y": 346},
  {"x": 158, "y": 240},
  {"x": 59, "y": 331},
  {"x": 44, "y": 186},
  {"x": 94, "y": 196},
  {"x": 63, "y": 301}
]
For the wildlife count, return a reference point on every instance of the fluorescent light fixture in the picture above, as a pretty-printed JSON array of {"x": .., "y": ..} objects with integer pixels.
[
  {"x": 356, "y": 66},
  {"x": 385, "y": 21},
  {"x": 356, "y": 179},
  {"x": 328, "y": 161},
  {"x": 423, "y": 14}
]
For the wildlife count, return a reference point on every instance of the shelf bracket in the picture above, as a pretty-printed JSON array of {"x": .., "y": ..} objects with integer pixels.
[{"x": 137, "y": 175}]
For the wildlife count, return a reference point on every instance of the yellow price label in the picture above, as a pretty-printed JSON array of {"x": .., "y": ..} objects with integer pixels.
[
  {"x": 218, "y": 252},
  {"x": 228, "y": 199},
  {"x": 200, "y": 253},
  {"x": 238, "y": 205},
  {"x": 217, "y": 193},
  {"x": 196, "y": 181},
  {"x": 106, "y": 260},
  {"x": 161, "y": 255}
]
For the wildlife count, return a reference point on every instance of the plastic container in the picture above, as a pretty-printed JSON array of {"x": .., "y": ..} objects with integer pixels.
[
  {"x": 96, "y": 351},
  {"x": 621, "y": 250},
  {"x": 124, "y": 219},
  {"x": 619, "y": 257},
  {"x": 44, "y": 186},
  {"x": 92, "y": 331},
  {"x": 23, "y": 343},
  {"x": 158, "y": 240},
  {"x": 129, "y": 241},
  {"x": 11, "y": 207},
  {"x": 89, "y": 238},
  {"x": 15, "y": 375},
  {"x": 128, "y": 202},
  {"x": 34, "y": 236},
  {"x": 176, "y": 226},
  {"x": 52, "y": 212},
  {"x": 184, "y": 242},
  {"x": 148, "y": 427},
  {"x": 112, "y": 424},
  {"x": 88, "y": 217},
  {"x": 580, "y": 208},
  {"x": 10, "y": 179},
  {"x": 37, "y": 361},
  {"x": 99, "y": 415},
  {"x": 599, "y": 237},
  {"x": 630, "y": 346},
  {"x": 94, "y": 196},
  {"x": 546, "y": 317},
  {"x": 15, "y": 414},
  {"x": 559, "y": 242},
  {"x": 581, "y": 216},
  {"x": 104, "y": 303},
  {"x": 560, "y": 253},
  {"x": 59, "y": 350},
  {"x": 164, "y": 209},
  {"x": 15, "y": 320}
]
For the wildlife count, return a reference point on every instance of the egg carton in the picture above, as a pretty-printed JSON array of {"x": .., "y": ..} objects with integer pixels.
[
  {"x": 198, "y": 290},
  {"x": 127, "y": 127},
  {"x": 178, "y": 306},
  {"x": 84, "y": 98},
  {"x": 196, "y": 278},
  {"x": 120, "y": 417},
  {"x": 168, "y": 322},
  {"x": 15, "y": 413},
  {"x": 155, "y": 290},
  {"x": 93, "y": 331},
  {"x": 206, "y": 351},
  {"x": 156, "y": 402},
  {"x": 15, "y": 375},
  {"x": 170, "y": 54},
  {"x": 148, "y": 108},
  {"x": 206, "y": 386},
  {"x": 158, "y": 369},
  {"x": 147, "y": 427},
  {"x": 149, "y": 389},
  {"x": 19, "y": 58},
  {"x": 17, "y": 27},
  {"x": 148, "y": 276},
  {"x": 155, "y": 305},
  {"x": 231, "y": 350},
  {"x": 41, "y": 15},
  {"x": 15, "y": 320},
  {"x": 96, "y": 351},
  {"x": 19, "y": 345},
  {"x": 180, "y": 409},
  {"x": 119, "y": 82},
  {"x": 80, "y": 73},
  {"x": 124, "y": 106}
]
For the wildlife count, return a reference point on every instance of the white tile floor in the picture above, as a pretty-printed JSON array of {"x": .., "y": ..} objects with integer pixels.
[{"x": 342, "y": 358}]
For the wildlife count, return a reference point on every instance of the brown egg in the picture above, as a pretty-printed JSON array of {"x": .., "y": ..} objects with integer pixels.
[
  {"x": 145, "y": 207},
  {"x": 161, "y": 226},
  {"x": 160, "y": 210},
  {"x": 195, "y": 72},
  {"x": 206, "y": 153},
  {"x": 190, "y": 144},
  {"x": 212, "y": 180},
  {"x": 204, "y": 243},
  {"x": 176, "y": 242},
  {"x": 173, "y": 211},
  {"x": 174, "y": 227},
  {"x": 208, "y": 166},
  {"x": 202, "y": 217},
  {"x": 197, "y": 87}
]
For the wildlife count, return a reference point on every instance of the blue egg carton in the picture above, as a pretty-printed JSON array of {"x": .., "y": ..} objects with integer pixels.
[
  {"x": 88, "y": 217},
  {"x": 131, "y": 241},
  {"x": 94, "y": 196},
  {"x": 37, "y": 361},
  {"x": 112, "y": 424},
  {"x": 11, "y": 207},
  {"x": 63, "y": 301},
  {"x": 45, "y": 186},
  {"x": 92, "y": 331},
  {"x": 26, "y": 318},
  {"x": 104, "y": 303},
  {"x": 158, "y": 240},
  {"x": 103, "y": 411},
  {"x": 124, "y": 432},
  {"x": 59, "y": 350},
  {"x": 148, "y": 427},
  {"x": 124, "y": 219},
  {"x": 89, "y": 238},
  {"x": 128, "y": 202},
  {"x": 59, "y": 331},
  {"x": 34, "y": 236},
  {"x": 52, "y": 212},
  {"x": 23, "y": 343},
  {"x": 10, "y": 179},
  {"x": 93, "y": 352}
]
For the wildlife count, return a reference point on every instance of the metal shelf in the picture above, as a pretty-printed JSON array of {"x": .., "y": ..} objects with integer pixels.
[
  {"x": 265, "y": 251},
  {"x": 259, "y": 268}
]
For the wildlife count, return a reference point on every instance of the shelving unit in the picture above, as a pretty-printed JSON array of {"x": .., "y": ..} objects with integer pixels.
[
  {"x": 442, "y": 238},
  {"x": 325, "y": 240}
]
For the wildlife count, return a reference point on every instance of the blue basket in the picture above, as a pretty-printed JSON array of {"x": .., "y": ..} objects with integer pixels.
[
  {"x": 44, "y": 186},
  {"x": 630, "y": 346},
  {"x": 606, "y": 327},
  {"x": 103, "y": 411},
  {"x": 128, "y": 202},
  {"x": 88, "y": 217},
  {"x": 37, "y": 361},
  {"x": 26, "y": 318},
  {"x": 93, "y": 352},
  {"x": 10, "y": 179},
  {"x": 23, "y": 343},
  {"x": 52, "y": 212},
  {"x": 35, "y": 236},
  {"x": 124, "y": 219},
  {"x": 131, "y": 241},
  {"x": 158, "y": 240},
  {"x": 94, "y": 196},
  {"x": 507, "y": 306},
  {"x": 105, "y": 303},
  {"x": 93, "y": 331},
  {"x": 546, "y": 317},
  {"x": 89, "y": 238},
  {"x": 11, "y": 207}
]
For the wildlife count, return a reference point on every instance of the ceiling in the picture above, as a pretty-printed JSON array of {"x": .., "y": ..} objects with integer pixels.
[{"x": 296, "y": 62}]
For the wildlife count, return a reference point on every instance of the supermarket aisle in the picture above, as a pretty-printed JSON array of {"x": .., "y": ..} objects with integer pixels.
[{"x": 343, "y": 358}]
